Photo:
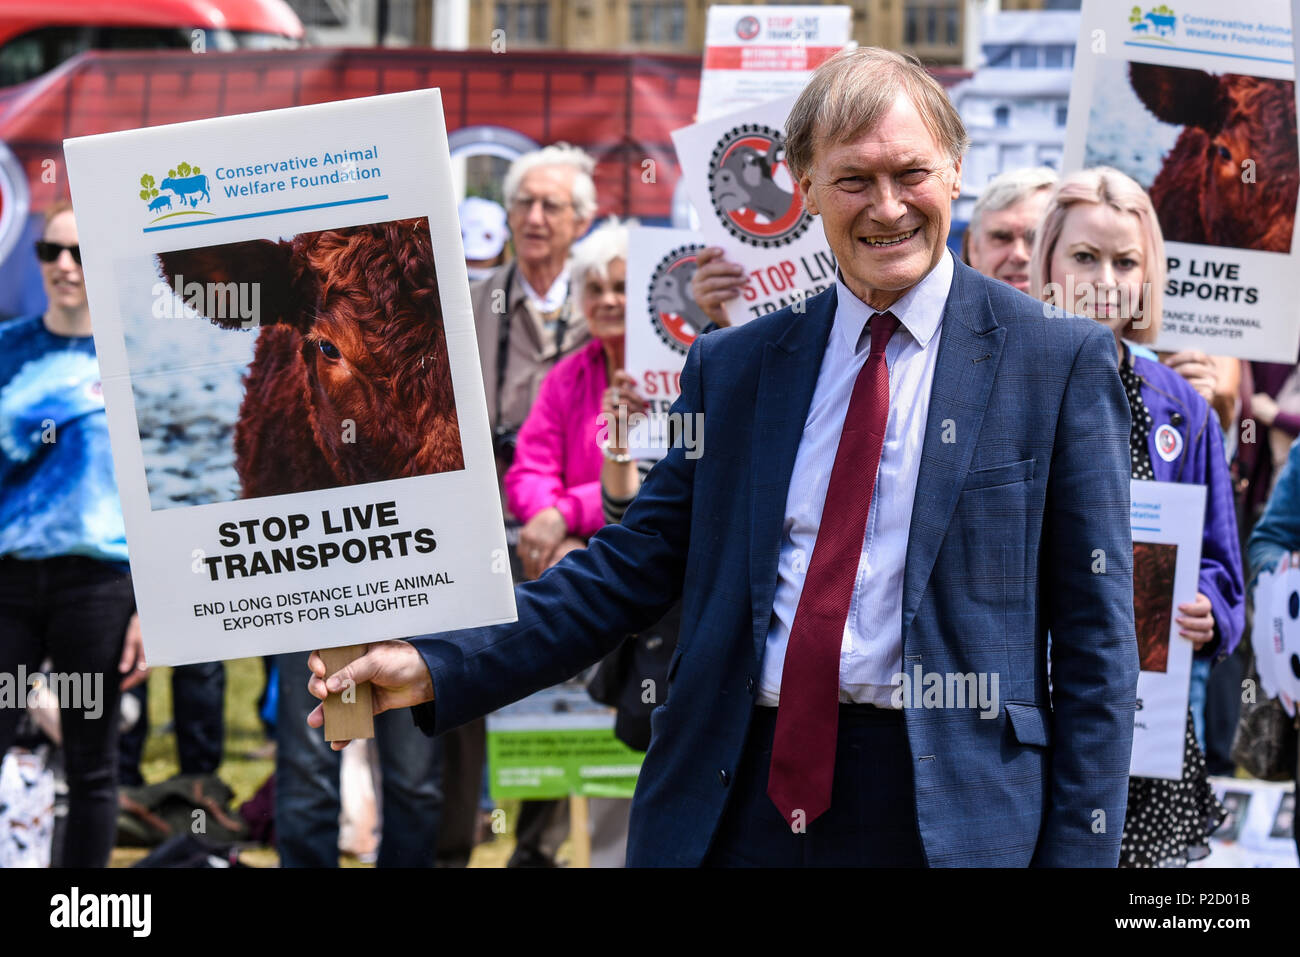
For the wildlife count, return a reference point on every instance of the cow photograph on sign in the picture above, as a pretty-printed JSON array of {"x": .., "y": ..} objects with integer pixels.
[
  {"x": 1217, "y": 152},
  {"x": 322, "y": 362}
]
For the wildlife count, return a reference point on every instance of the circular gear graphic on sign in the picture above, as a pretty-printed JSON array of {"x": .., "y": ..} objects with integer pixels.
[
  {"x": 676, "y": 317},
  {"x": 751, "y": 188}
]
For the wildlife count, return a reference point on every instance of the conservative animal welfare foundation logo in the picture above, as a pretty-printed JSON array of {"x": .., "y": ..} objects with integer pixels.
[
  {"x": 179, "y": 193},
  {"x": 1158, "y": 23},
  {"x": 674, "y": 313},
  {"x": 751, "y": 188}
]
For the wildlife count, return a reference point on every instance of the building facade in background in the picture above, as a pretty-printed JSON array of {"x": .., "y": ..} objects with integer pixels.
[
  {"x": 934, "y": 30},
  {"x": 1014, "y": 107}
]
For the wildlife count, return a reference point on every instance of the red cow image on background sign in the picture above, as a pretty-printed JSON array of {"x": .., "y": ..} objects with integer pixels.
[
  {"x": 1232, "y": 177},
  {"x": 1153, "y": 602},
  {"x": 350, "y": 380}
]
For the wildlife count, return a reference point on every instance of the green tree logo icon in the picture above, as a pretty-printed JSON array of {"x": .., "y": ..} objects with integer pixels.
[{"x": 148, "y": 189}]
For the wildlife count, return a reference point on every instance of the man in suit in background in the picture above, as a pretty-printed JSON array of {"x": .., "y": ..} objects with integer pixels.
[{"x": 903, "y": 486}]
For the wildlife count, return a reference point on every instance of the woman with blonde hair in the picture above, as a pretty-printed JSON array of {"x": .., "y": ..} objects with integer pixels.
[{"x": 1099, "y": 253}]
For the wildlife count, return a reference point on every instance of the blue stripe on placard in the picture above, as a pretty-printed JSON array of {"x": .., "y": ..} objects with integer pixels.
[
  {"x": 267, "y": 212},
  {"x": 1235, "y": 56}
]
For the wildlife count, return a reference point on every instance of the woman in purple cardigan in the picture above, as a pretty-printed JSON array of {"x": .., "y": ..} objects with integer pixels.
[
  {"x": 554, "y": 483},
  {"x": 1099, "y": 252}
]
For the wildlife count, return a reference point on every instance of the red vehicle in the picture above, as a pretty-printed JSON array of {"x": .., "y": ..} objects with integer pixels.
[{"x": 37, "y": 35}]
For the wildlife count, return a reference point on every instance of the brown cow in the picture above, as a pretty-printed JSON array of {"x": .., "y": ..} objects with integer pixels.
[
  {"x": 1206, "y": 192},
  {"x": 353, "y": 334}
]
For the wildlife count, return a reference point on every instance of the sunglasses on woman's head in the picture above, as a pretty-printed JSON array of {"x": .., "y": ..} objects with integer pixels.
[{"x": 48, "y": 252}]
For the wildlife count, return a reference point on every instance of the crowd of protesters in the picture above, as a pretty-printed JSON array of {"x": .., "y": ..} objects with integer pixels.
[{"x": 549, "y": 298}]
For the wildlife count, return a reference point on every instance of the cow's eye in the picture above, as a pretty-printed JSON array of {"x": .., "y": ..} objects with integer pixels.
[
  {"x": 1224, "y": 154},
  {"x": 329, "y": 350}
]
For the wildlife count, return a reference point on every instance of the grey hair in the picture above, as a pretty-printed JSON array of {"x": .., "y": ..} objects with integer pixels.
[
  {"x": 595, "y": 251},
  {"x": 850, "y": 94},
  {"x": 1007, "y": 189},
  {"x": 557, "y": 154}
]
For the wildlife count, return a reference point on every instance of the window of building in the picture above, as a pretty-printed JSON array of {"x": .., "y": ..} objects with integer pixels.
[
  {"x": 1054, "y": 57},
  {"x": 657, "y": 22},
  {"x": 998, "y": 55},
  {"x": 1062, "y": 114},
  {"x": 931, "y": 26},
  {"x": 1027, "y": 57},
  {"x": 911, "y": 26},
  {"x": 952, "y": 24},
  {"x": 1002, "y": 115},
  {"x": 527, "y": 21}
]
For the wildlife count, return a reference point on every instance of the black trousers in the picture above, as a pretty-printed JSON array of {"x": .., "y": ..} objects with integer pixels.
[
  {"x": 871, "y": 821},
  {"x": 198, "y": 712},
  {"x": 75, "y": 611}
]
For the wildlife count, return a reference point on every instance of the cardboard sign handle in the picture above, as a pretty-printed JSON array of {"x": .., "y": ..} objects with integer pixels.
[{"x": 349, "y": 713}]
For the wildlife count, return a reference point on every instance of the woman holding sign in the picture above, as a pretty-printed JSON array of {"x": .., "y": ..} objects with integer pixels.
[
  {"x": 554, "y": 483},
  {"x": 65, "y": 586},
  {"x": 1099, "y": 253}
]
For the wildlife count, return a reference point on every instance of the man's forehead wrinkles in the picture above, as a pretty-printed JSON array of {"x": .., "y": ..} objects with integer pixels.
[{"x": 858, "y": 161}]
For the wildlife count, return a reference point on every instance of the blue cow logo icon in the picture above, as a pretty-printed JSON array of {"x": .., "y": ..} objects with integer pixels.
[
  {"x": 1158, "y": 23},
  {"x": 179, "y": 193}
]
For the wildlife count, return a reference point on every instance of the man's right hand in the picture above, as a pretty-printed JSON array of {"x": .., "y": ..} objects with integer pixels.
[
  {"x": 715, "y": 283},
  {"x": 397, "y": 674}
]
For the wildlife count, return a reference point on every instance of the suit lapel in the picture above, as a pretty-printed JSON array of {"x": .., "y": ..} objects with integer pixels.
[
  {"x": 970, "y": 349},
  {"x": 786, "y": 384}
]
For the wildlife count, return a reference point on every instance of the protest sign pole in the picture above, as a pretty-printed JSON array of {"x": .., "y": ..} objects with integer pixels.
[
  {"x": 349, "y": 713},
  {"x": 579, "y": 830}
]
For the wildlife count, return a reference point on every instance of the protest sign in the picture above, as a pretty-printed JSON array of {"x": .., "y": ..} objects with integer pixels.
[
  {"x": 1198, "y": 106},
  {"x": 282, "y": 320},
  {"x": 662, "y": 322},
  {"x": 757, "y": 53},
  {"x": 1275, "y": 638},
  {"x": 1259, "y": 830},
  {"x": 750, "y": 206},
  {"x": 558, "y": 743},
  {"x": 1167, "y": 520}
]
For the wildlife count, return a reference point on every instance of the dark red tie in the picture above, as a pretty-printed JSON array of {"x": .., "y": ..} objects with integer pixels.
[{"x": 807, "y": 720}]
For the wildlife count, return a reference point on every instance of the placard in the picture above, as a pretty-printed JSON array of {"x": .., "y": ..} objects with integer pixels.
[
  {"x": 556, "y": 743},
  {"x": 1196, "y": 102},
  {"x": 1259, "y": 830},
  {"x": 1167, "y": 520},
  {"x": 282, "y": 320},
  {"x": 663, "y": 321},
  {"x": 1275, "y": 637},
  {"x": 756, "y": 53},
  {"x": 750, "y": 206}
]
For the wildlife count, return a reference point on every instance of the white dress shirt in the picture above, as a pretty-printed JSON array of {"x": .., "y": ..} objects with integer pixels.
[{"x": 872, "y": 650}]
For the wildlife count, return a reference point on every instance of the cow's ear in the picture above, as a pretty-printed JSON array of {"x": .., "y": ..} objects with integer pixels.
[
  {"x": 1179, "y": 96},
  {"x": 260, "y": 268}
]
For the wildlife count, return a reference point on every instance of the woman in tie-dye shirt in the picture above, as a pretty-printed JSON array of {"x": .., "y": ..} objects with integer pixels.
[{"x": 65, "y": 587}]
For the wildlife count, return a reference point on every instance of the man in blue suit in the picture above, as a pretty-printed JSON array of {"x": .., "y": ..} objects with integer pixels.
[{"x": 903, "y": 487}]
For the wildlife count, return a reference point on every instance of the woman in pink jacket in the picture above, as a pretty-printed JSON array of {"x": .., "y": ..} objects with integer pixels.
[{"x": 554, "y": 483}]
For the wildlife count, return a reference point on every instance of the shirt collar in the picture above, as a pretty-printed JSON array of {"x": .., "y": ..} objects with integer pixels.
[
  {"x": 919, "y": 311},
  {"x": 554, "y": 297}
]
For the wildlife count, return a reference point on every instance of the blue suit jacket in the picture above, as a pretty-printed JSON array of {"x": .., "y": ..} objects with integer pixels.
[{"x": 1020, "y": 525}]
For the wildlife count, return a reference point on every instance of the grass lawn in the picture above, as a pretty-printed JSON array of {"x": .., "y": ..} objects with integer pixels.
[{"x": 245, "y": 774}]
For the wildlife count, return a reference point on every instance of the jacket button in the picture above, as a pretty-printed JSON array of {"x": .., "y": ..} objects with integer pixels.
[
  {"x": 749, "y": 685},
  {"x": 1176, "y": 418},
  {"x": 724, "y": 778}
]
